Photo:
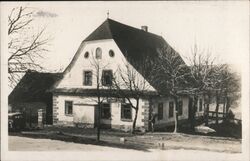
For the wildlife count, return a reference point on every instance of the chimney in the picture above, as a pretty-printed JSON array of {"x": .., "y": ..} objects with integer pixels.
[{"x": 144, "y": 28}]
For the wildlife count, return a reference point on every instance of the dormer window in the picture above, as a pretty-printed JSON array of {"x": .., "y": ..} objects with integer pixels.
[{"x": 98, "y": 53}]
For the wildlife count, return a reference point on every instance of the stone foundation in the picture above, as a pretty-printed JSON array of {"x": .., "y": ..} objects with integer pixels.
[
  {"x": 55, "y": 110},
  {"x": 64, "y": 123},
  {"x": 84, "y": 125},
  {"x": 145, "y": 114}
]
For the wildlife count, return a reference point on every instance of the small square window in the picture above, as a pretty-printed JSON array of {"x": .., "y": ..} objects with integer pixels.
[
  {"x": 126, "y": 111},
  {"x": 87, "y": 78},
  {"x": 107, "y": 77},
  {"x": 68, "y": 107},
  {"x": 171, "y": 109}
]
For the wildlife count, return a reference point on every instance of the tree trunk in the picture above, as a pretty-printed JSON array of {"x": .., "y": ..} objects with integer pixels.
[
  {"x": 217, "y": 108},
  {"x": 176, "y": 115},
  {"x": 224, "y": 109},
  {"x": 99, "y": 106},
  {"x": 134, "y": 122},
  {"x": 136, "y": 113},
  {"x": 99, "y": 121},
  {"x": 206, "y": 108},
  {"x": 228, "y": 104},
  {"x": 207, "y": 114},
  {"x": 30, "y": 121},
  {"x": 191, "y": 113},
  {"x": 194, "y": 110}
]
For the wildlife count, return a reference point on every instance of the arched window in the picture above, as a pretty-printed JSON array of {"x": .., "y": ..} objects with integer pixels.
[{"x": 98, "y": 53}]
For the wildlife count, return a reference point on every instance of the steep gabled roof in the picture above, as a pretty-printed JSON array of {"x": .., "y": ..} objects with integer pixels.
[
  {"x": 134, "y": 43},
  {"x": 33, "y": 87},
  {"x": 141, "y": 48}
]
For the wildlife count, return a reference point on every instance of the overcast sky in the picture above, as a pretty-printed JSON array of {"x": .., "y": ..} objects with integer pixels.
[{"x": 221, "y": 27}]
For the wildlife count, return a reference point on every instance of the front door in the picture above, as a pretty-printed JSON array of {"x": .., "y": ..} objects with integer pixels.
[{"x": 105, "y": 115}]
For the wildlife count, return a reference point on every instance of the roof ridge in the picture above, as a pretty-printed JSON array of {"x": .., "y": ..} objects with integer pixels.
[
  {"x": 140, "y": 30},
  {"x": 106, "y": 26},
  {"x": 110, "y": 28}
]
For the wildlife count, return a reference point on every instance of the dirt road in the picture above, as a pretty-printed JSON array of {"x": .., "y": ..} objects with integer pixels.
[{"x": 17, "y": 143}]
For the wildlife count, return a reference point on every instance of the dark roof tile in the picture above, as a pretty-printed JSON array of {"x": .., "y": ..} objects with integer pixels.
[
  {"x": 33, "y": 87},
  {"x": 134, "y": 43}
]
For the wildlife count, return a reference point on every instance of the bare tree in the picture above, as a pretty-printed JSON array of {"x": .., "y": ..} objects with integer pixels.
[
  {"x": 131, "y": 85},
  {"x": 201, "y": 82},
  {"x": 98, "y": 68},
  {"x": 226, "y": 83},
  {"x": 170, "y": 73},
  {"x": 24, "y": 47},
  {"x": 208, "y": 79}
]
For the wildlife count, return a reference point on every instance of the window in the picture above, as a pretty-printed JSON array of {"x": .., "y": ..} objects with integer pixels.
[
  {"x": 126, "y": 111},
  {"x": 106, "y": 112},
  {"x": 87, "y": 78},
  {"x": 200, "y": 105},
  {"x": 98, "y": 53},
  {"x": 111, "y": 53},
  {"x": 68, "y": 107},
  {"x": 86, "y": 55},
  {"x": 160, "y": 111},
  {"x": 180, "y": 107},
  {"x": 171, "y": 109},
  {"x": 107, "y": 77}
]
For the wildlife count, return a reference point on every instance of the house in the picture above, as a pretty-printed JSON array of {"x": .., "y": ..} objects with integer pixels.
[
  {"x": 31, "y": 94},
  {"x": 112, "y": 45}
]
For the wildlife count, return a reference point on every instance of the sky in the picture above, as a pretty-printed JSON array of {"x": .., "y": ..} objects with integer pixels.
[{"x": 221, "y": 27}]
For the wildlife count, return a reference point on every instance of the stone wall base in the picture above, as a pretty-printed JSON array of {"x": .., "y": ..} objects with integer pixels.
[
  {"x": 64, "y": 123},
  {"x": 126, "y": 128},
  {"x": 84, "y": 125}
]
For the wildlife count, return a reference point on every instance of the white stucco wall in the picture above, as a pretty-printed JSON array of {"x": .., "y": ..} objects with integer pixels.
[
  {"x": 84, "y": 108},
  {"x": 83, "y": 113},
  {"x": 166, "y": 119},
  {"x": 74, "y": 77}
]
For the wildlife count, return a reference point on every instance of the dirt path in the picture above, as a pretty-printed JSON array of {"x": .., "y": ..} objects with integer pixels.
[
  {"x": 17, "y": 143},
  {"x": 190, "y": 142},
  {"x": 97, "y": 152},
  {"x": 146, "y": 143}
]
